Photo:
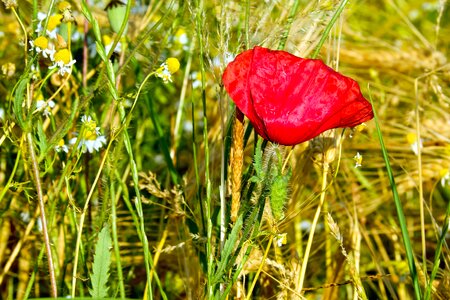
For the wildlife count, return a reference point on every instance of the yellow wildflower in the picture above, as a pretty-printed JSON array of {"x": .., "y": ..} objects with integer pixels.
[{"x": 167, "y": 68}]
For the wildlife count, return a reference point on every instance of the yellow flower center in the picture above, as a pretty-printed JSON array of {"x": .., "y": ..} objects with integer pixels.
[
  {"x": 172, "y": 64},
  {"x": 54, "y": 21},
  {"x": 41, "y": 42},
  {"x": 63, "y": 55},
  {"x": 61, "y": 143},
  {"x": 64, "y": 5},
  {"x": 106, "y": 39},
  {"x": 411, "y": 138},
  {"x": 90, "y": 135}
]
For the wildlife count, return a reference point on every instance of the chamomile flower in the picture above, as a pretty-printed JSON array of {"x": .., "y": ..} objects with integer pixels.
[
  {"x": 45, "y": 107},
  {"x": 41, "y": 45},
  {"x": 445, "y": 179},
  {"x": 66, "y": 11},
  {"x": 62, "y": 61},
  {"x": 61, "y": 147},
  {"x": 280, "y": 239},
  {"x": 414, "y": 143},
  {"x": 358, "y": 160},
  {"x": 52, "y": 25},
  {"x": 167, "y": 68},
  {"x": 91, "y": 140},
  {"x": 41, "y": 17}
]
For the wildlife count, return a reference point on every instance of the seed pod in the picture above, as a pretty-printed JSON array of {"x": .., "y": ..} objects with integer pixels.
[{"x": 116, "y": 11}]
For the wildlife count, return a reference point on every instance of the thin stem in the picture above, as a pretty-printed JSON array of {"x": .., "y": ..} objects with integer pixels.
[
  {"x": 25, "y": 37},
  {"x": 261, "y": 265},
  {"x": 399, "y": 208},
  {"x": 207, "y": 203},
  {"x": 85, "y": 51},
  {"x": 82, "y": 217},
  {"x": 420, "y": 183},
  {"x": 287, "y": 28},
  {"x": 48, "y": 249},
  {"x": 313, "y": 229},
  {"x": 115, "y": 239},
  {"x": 177, "y": 131},
  {"x": 328, "y": 28},
  {"x": 16, "y": 251},
  {"x": 13, "y": 172}
]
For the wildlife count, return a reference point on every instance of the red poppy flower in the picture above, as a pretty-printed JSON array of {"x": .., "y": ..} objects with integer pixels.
[{"x": 289, "y": 99}]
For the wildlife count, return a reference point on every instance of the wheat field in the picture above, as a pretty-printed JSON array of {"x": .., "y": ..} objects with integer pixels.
[{"x": 125, "y": 174}]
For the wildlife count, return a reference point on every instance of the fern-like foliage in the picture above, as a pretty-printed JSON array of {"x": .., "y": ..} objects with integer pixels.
[{"x": 102, "y": 262}]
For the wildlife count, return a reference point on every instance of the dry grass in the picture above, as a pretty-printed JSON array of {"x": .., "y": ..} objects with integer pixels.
[{"x": 396, "y": 50}]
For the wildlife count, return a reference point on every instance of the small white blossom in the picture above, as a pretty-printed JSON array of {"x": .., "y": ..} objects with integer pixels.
[
  {"x": 196, "y": 79},
  {"x": 91, "y": 139},
  {"x": 41, "y": 45},
  {"x": 63, "y": 68},
  {"x": 117, "y": 49},
  {"x": 280, "y": 239},
  {"x": 445, "y": 179},
  {"x": 61, "y": 147},
  {"x": 45, "y": 107},
  {"x": 167, "y": 68},
  {"x": 62, "y": 61},
  {"x": 358, "y": 160},
  {"x": 41, "y": 17}
]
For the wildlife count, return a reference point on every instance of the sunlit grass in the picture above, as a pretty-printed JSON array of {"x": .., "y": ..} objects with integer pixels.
[{"x": 121, "y": 138}]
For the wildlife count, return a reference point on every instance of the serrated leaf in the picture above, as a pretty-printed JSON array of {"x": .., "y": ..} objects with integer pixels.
[
  {"x": 100, "y": 268},
  {"x": 257, "y": 164}
]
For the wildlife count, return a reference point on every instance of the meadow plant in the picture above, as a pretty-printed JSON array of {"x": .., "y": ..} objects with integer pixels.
[{"x": 224, "y": 149}]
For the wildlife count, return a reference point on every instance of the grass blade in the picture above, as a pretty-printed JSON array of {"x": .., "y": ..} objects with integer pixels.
[{"x": 399, "y": 208}]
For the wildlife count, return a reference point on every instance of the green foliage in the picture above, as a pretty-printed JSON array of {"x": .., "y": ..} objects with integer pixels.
[
  {"x": 279, "y": 195},
  {"x": 101, "y": 265},
  {"x": 174, "y": 238}
]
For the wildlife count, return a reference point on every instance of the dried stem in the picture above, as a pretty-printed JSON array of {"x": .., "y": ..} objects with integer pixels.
[
  {"x": 313, "y": 228},
  {"x": 37, "y": 180}
]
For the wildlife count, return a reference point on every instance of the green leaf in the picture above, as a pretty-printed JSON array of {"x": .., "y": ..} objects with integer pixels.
[
  {"x": 257, "y": 164},
  {"x": 42, "y": 138},
  {"x": 102, "y": 262},
  {"x": 228, "y": 250},
  {"x": 19, "y": 100}
]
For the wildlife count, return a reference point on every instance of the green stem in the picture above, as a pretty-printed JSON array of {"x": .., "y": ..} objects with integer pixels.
[
  {"x": 115, "y": 239},
  {"x": 399, "y": 208},
  {"x": 437, "y": 255},
  {"x": 13, "y": 173},
  {"x": 209, "y": 252}
]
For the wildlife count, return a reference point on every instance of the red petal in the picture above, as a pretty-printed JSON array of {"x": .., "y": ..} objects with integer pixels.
[
  {"x": 289, "y": 99},
  {"x": 235, "y": 80}
]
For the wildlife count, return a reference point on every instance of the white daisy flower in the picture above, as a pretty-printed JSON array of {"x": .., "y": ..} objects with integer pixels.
[
  {"x": 62, "y": 61},
  {"x": 91, "y": 140}
]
